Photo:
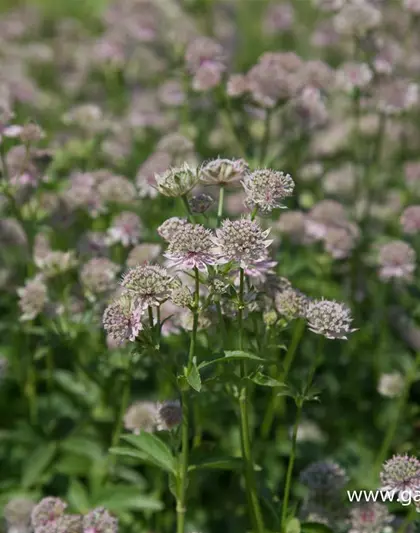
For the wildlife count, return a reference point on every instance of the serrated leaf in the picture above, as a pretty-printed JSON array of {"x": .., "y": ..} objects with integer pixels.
[
  {"x": 193, "y": 377},
  {"x": 154, "y": 448},
  {"x": 266, "y": 381},
  {"x": 37, "y": 463},
  {"x": 293, "y": 526},
  {"x": 315, "y": 527}
]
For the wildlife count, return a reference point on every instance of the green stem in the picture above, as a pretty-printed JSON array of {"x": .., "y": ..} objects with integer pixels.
[
  {"x": 393, "y": 426},
  {"x": 185, "y": 430},
  {"x": 254, "y": 213},
  {"x": 276, "y": 402},
  {"x": 251, "y": 486},
  {"x": 220, "y": 206},
  {"x": 408, "y": 519},
  {"x": 187, "y": 209},
  {"x": 266, "y": 138},
  {"x": 288, "y": 483}
]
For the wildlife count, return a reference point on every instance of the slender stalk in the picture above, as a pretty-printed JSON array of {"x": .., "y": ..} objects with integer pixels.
[
  {"x": 276, "y": 401},
  {"x": 187, "y": 209},
  {"x": 393, "y": 426},
  {"x": 220, "y": 206},
  {"x": 266, "y": 137},
  {"x": 251, "y": 486},
  {"x": 254, "y": 213},
  {"x": 185, "y": 430},
  {"x": 292, "y": 457},
  {"x": 408, "y": 519}
]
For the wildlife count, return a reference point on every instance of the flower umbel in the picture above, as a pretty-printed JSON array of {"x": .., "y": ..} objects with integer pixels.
[
  {"x": 176, "y": 181},
  {"x": 266, "y": 189},
  {"x": 241, "y": 241},
  {"x": 401, "y": 473},
  {"x": 191, "y": 247},
  {"x": 329, "y": 318},
  {"x": 151, "y": 284},
  {"x": 122, "y": 319}
]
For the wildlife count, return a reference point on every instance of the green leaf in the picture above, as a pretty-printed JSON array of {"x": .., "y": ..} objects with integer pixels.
[
  {"x": 315, "y": 527},
  {"x": 229, "y": 357},
  {"x": 293, "y": 526},
  {"x": 239, "y": 354},
  {"x": 77, "y": 496},
  {"x": 129, "y": 452},
  {"x": 154, "y": 448},
  {"x": 266, "y": 381},
  {"x": 218, "y": 463},
  {"x": 37, "y": 463},
  {"x": 193, "y": 376},
  {"x": 119, "y": 498}
]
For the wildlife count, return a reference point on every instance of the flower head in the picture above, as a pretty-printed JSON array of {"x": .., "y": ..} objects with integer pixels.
[
  {"x": 47, "y": 510},
  {"x": 369, "y": 518},
  {"x": 324, "y": 477},
  {"x": 266, "y": 189},
  {"x": 410, "y": 219},
  {"x": 99, "y": 521},
  {"x": 400, "y": 474},
  {"x": 98, "y": 275},
  {"x": 17, "y": 513},
  {"x": 397, "y": 259},
  {"x": 32, "y": 298},
  {"x": 291, "y": 303},
  {"x": 329, "y": 318},
  {"x": 168, "y": 229},
  {"x": 68, "y": 523},
  {"x": 223, "y": 171},
  {"x": 169, "y": 415},
  {"x": 125, "y": 229},
  {"x": 241, "y": 241},
  {"x": 191, "y": 247},
  {"x": 122, "y": 319},
  {"x": 200, "y": 203},
  {"x": 151, "y": 284},
  {"x": 141, "y": 416},
  {"x": 391, "y": 385},
  {"x": 176, "y": 181}
]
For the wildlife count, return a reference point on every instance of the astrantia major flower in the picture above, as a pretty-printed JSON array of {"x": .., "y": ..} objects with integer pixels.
[
  {"x": 47, "y": 510},
  {"x": 33, "y": 297},
  {"x": 329, "y": 318},
  {"x": 410, "y": 219},
  {"x": 177, "y": 181},
  {"x": 168, "y": 228},
  {"x": 267, "y": 188},
  {"x": 371, "y": 517},
  {"x": 401, "y": 474},
  {"x": 241, "y": 241},
  {"x": 122, "y": 319},
  {"x": 223, "y": 171},
  {"x": 397, "y": 259},
  {"x": 125, "y": 229},
  {"x": 151, "y": 284},
  {"x": 291, "y": 303},
  {"x": 391, "y": 385},
  {"x": 169, "y": 415},
  {"x": 191, "y": 247},
  {"x": 98, "y": 275},
  {"x": 141, "y": 416},
  {"x": 99, "y": 521},
  {"x": 324, "y": 477}
]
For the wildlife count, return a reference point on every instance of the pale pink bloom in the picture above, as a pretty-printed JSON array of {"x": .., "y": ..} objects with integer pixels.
[
  {"x": 125, "y": 229},
  {"x": 397, "y": 259},
  {"x": 410, "y": 219},
  {"x": 354, "y": 75}
]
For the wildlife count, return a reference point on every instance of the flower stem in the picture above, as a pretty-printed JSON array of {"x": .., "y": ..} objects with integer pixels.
[
  {"x": 254, "y": 213},
  {"x": 251, "y": 486},
  {"x": 266, "y": 138},
  {"x": 407, "y": 520},
  {"x": 182, "y": 482},
  {"x": 187, "y": 209},
  {"x": 393, "y": 426},
  {"x": 220, "y": 206},
  {"x": 277, "y": 401},
  {"x": 290, "y": 467}
]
